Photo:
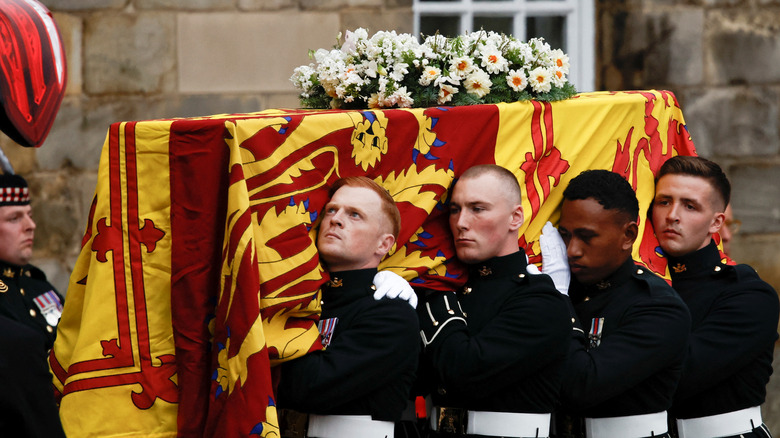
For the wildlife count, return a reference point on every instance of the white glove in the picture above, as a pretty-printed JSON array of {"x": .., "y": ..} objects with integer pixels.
[
  {"x": 391, "y": 285},
  {"x": 555, "y": 263}
]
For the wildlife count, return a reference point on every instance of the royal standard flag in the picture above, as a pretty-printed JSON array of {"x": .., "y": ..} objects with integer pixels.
[{"x": 199, "y": 272}]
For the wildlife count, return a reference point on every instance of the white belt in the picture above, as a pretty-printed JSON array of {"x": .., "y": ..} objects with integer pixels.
[
  {"x": 730, "y": 423},
  {"x": 349, "y": 426},
  {"x": 508, "y": 424},
  {"x": 633, "y": 426}
]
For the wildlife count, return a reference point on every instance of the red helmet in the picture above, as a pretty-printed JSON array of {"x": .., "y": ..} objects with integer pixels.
[{"x": 32, "y": 71}]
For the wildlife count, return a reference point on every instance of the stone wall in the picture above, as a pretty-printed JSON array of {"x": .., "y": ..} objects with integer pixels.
[{"x": 145, "y": 59}]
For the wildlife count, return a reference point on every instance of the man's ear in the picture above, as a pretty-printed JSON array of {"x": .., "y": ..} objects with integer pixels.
[
  {"x": 386, "y": 242},
  {"x": 630, "y": 234},
  {"x": 516, "y": 218},
  {"x": 718, "y": 220}
]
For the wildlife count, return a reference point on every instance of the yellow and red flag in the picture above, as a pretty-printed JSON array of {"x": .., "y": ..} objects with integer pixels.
[{"x": 199, "y": 271}]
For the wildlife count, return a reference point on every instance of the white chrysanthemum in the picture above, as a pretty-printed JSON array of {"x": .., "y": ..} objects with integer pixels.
[
  {"x": 558, "y": 78},
  {"x": 461, "y": 66},
  {"x": 478, "y": 83},
  {"x": 373, "y": 101},
  {"x": 445, "y": 93},
  {"x": 517, "y": 80},
  {"x": 429, "y": 74},
  {"x": 400, "y": 98},
  {"x": 400, "y": 69},
  {"x": 493, "y": 61},
  {"x": 560, "y": 61},
  {"x": 540, "y": 79}
]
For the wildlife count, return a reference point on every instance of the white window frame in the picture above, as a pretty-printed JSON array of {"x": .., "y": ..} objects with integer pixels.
[{"x": 580, "y": 26}]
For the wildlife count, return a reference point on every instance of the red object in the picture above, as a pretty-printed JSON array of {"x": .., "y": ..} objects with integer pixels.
[{"x": 32, "y": 71}]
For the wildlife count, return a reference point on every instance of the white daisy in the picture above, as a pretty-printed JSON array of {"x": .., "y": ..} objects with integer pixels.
[
  {"x": 517, "y": 80},
  {"x": 540, "y": 79},
  {"x": 429, "y": 74},
  {"x": 445, "y": 93},
  {"x": 478, "y": 83}
]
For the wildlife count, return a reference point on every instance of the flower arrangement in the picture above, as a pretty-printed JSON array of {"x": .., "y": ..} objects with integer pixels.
[{"x": 390, "y": 70}]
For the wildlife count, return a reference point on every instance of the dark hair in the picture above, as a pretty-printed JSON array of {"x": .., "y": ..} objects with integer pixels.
[
  {"x": 508, "y": 179},
  {"x": 388, "y": 203},
  {"x": 609, "y": 189},
  {"x": 700, "y": 167}
]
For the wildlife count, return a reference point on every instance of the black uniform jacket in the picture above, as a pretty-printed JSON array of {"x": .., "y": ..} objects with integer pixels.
[
  {"x": 734, "y": 316},
  {"x": 508, "y": 356},
  {"x": 630, "y": 355},
  {"x": 369, "y": 366},
  {"x": 26, "y": 297},
  {"x": 27, "y": 407}
]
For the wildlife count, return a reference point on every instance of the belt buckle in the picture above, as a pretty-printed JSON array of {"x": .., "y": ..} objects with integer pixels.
[
  {"x": 293, "y": 424},
  {"x": 452, "y": 420}
]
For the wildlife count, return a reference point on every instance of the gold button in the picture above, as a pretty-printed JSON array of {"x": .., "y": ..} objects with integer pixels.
[
  {"x": 586, "y": 299},
  {"x": 717, "y": 268},
  {"x": 22, "y": 291},
  {"x": 373, "y": 287},
  {"x": 466, "y": 290},
  {"x": 521, "y": 275},
  {"x": 32, "y": 313},
  {"x": 640, "y": 272},
  {"x": 49, "y": 329},
  {"x": 572, "y": 320}
]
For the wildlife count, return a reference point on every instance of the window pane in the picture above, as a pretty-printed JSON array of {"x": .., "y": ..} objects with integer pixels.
[
  {"x": 447, "y": 25},
  {"x": 496, "y": 24},
  {"x": 550, "y": 28}
]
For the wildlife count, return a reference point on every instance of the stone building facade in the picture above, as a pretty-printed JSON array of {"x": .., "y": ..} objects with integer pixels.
[{"x": 146, "y": 59}]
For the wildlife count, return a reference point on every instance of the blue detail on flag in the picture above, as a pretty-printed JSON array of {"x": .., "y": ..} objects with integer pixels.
[
  {"x": 271, "y": 401},
  {"x": 417, "y": 280},
  {"x": 214, "y": 375},
  {"x": 419, "y": 243},
  {"x": 425, "y": 235},
  {"x": 434, "y": 121},
  {"x": 257, "y": 430},
  {"x": 218, "y": 392},
  {"x": 415, "y": 153},
  {"x": 439, "y": 254},
  {"x": 371, "y": 117},
  {"x": 313, "y": 216},
  {"x": 220, "y": 346},
  {"x": 292, "y": 201},
  {"x": 283, "y": 130},
  {"x": 452, "y": 166},
  {"x": 430, "y": 156},
  {"x": 438, "y": 143},
  {"x": 306, "y": 203}
]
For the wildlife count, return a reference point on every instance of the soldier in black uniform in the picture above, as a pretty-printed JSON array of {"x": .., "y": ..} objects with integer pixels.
[
  {"x": 25, "y": 295},
  {"x": 29, "y": 311},
  {"x": 359, "y": 384},
  {"x": 625, "y": 362},
  {"x": 498, "y": 344},
  {"x": 734, "y": 312}
]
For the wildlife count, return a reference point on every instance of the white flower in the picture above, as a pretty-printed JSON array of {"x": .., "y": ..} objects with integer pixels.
[
  {"x": 540, "y": 80},
  {"x": 461, "y": 66},
  {"x": 429, "y": 74},
  {"x": 478, "y": 82},
  {"x": 445, "y": 93},
  {"x": 517, "y": 80},
  {"x": 560, "y": 61},
  {"x": 401, "y": 98},
  {"x": 493, "y": 61},
  {"x": 558, "y": 78},
  {"x": 373, "y": 101}
]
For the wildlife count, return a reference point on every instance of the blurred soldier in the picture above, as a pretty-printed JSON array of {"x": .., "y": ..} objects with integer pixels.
[
  {"x": 29, "y": 311},
  {"x": 498, "y": 344},
  {"x": 734, "y": 312},
  {"x": 25, "y": 295},
  {"x": 359, "y": 384},
  {"x": 624, "y": 363}
]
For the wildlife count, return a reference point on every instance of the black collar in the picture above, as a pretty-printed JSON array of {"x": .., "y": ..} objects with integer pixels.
[
  {"x": 497, "y": 267},
  {"x": 706, "y": 259}
]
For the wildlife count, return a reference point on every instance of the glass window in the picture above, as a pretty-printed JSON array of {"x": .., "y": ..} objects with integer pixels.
[{"x": 565, "y": 24}]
